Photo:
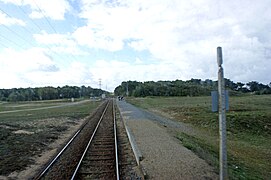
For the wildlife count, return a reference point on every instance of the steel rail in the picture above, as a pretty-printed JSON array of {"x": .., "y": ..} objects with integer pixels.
[
  {"x": 116, "y": 143},
  {"x": 86, "y": 149},
  {"x": 62, "y": 150},
  {"x": 58, "y": 155}
]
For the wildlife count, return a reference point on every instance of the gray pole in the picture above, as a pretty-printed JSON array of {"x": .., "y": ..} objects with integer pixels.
[
  {"x": 222, "y": 118},
  {"x": 127, "y": 91}
]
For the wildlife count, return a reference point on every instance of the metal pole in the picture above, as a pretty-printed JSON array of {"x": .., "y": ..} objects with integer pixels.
[
  {"x": 127, "y": 91},
  {"x": 222, "y": 118}
]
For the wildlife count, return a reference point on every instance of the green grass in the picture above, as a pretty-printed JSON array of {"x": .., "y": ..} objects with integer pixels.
[
  {"x": 44, "y": 127},
  {"x": 11, "y": 106},
  {"x": 72, "y": 111},
  {"x": 248, "y": 129}
]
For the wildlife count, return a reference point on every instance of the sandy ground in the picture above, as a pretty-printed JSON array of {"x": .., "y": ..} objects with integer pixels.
[{"x": 164, "y": 157}]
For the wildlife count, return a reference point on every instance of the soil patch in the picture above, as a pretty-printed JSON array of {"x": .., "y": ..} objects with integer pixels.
[{"x": 40, "y": 160}]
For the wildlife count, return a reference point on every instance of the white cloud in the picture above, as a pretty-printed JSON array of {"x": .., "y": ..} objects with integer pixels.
[
  {"x": 185, "y": 33},
  {"x": 24, "y": 61},
  {"x": 50, "y": 8},
  {"x": 15, "y": 65},
  {"x": 138, "y": 61},
  {"x": 60, "y": 43},
  {"x": 58, "y": 39},
  {"x": 94, "y": 39},
  {"x": 8, "y": 21},
  {"x": 113, "y": 72},
  {"x": 179, "y": 36},
  {"x": 33, "y": 67},
  {"x": 75, "y": 74}
]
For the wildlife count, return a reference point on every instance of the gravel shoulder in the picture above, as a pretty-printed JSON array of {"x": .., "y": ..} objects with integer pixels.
[{"x": 164, "y": 157}]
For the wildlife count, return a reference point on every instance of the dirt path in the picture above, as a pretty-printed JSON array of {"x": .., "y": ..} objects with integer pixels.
[{"x": 163, "y": 155}]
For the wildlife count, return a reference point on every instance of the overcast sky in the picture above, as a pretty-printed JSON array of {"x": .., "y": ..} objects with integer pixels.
[{"x": 78, "y": 42}]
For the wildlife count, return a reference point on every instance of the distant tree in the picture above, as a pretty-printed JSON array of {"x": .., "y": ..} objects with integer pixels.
[
  {"x": 253, "y": 86},
  {"x": 48, "y": 93},
  {"x": 29, "y": 94},
  {"x": 192, "y": 87},
  {"x": 239, "y": 85},
  {"x": 119, "y": 90},
  {"x": 230, "y": 84},
  {"x": 138, "y": 92},
  {"x": 2, "y": 97},
  {"x": 195, "y": 81},
  {"x": 12, "y": 97}
]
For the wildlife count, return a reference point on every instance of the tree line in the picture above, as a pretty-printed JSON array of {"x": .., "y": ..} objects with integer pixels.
[
  {"x": 192, "y": 87},
  {"x": 48, "y": 93}
]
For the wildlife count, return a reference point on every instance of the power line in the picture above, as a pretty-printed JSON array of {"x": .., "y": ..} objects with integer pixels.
[
  {"x": 45, "y": 17},
  {"x": 12, "y": 42},
  {"x": 3, "y": 45},
  {"x": 100, "y": 83},
  {"x": 50, "y": 50},
  {"x": 30, "y": 18},
  {"x": 17, "y": 34},
  {"x": 12, "y": 17},
  {"x": 14, "y": 31},
  {"x": 52, "y": 27},
  {"x": 48, "y": 47},
  {"x": 31, "y": 33}
]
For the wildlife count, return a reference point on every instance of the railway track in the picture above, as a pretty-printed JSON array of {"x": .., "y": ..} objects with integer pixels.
[
  {"x": 94, "y": 151},
  {"x": 100, "y": 158},
  {"x": 91, "y": 153}
]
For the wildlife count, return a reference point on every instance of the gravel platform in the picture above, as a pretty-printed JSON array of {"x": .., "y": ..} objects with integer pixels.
[{"x": 164, "y": 157}]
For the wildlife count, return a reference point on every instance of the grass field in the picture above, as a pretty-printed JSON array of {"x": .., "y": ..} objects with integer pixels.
[
  {"x": 6, "y": 106},
  {"x": 27, "y": 133},
  {"x": 248, "y": 130}
]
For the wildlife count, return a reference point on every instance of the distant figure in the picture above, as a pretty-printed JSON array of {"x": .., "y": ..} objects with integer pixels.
[{"x": 120, "y": 98}]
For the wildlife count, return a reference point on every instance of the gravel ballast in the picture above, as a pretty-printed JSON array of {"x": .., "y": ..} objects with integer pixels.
[{"x": 164, "y": 157}]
